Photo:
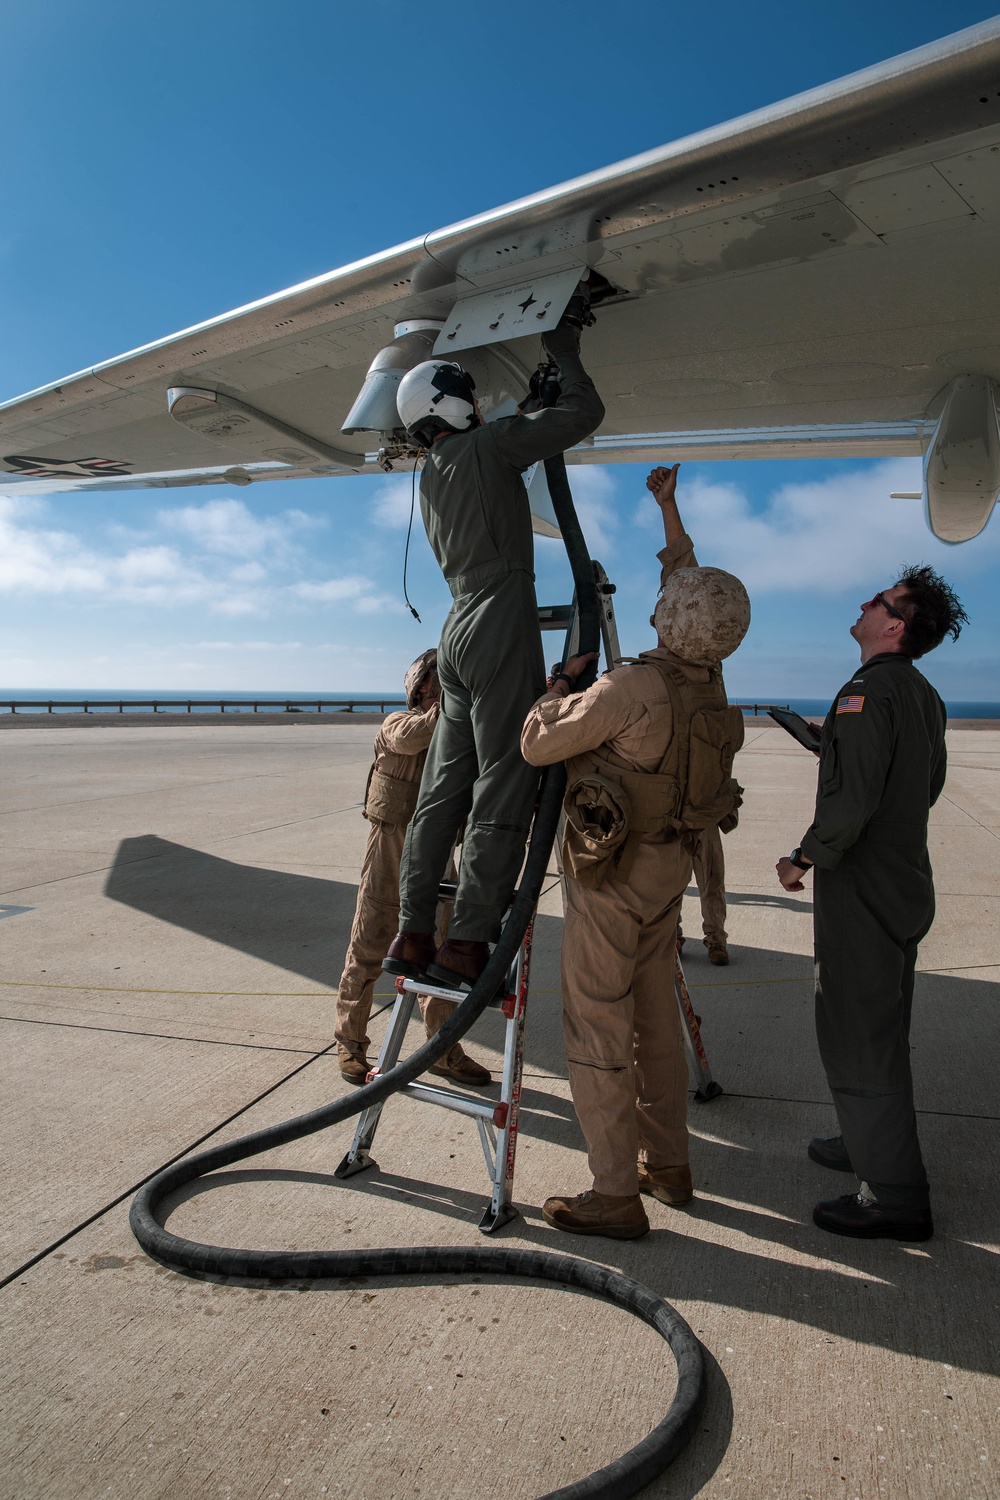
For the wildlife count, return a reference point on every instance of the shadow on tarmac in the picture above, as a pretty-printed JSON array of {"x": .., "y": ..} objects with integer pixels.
[
  {"x": 758, "y": 898},
  {"x": 301, "y": 923},
  {"x": 915, "y": 1300},
  {"x": 298, "y": 922}
]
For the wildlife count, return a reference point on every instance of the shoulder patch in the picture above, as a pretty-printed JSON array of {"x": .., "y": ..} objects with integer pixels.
[{"x": 850, "y": 705}]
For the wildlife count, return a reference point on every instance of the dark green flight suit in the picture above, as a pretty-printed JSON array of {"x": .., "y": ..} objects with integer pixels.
[
  {"x": 490, "y": 662},
  {"x": 881, "y": 768}
]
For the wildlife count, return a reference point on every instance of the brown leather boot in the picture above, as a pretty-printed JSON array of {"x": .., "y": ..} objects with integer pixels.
[
  {"x": 459, "y": 1065},
  {"x": 409, "y": 954},
  {"x": 598, "y": 1213},
  {"x": 354, "y": 1066},
  {"x": 668, "y": 1184},
  {"x": 458, "y": 963},
  {"x": 718, "y": 953}
]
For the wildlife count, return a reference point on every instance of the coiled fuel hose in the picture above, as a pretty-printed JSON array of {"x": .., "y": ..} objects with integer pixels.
[{"x": 635, "y": 1469}]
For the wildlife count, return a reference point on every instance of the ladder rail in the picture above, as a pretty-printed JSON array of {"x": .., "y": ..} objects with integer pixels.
[{"x": 705, "y": 1086}]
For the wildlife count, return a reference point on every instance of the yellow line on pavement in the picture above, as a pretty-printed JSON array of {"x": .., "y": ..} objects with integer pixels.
[{"x": 113, "y": 989}]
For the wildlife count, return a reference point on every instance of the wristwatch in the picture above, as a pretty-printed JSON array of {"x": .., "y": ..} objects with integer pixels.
[{"x": 796, "y": 859}]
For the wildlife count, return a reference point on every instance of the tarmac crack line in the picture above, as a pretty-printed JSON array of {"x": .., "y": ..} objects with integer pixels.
[
  {"x": 134, "y": 1188},
  {"x": 166, "y": 1036},
  {"x": 198, "y": 1041},
  {"x": 156, "y": 1036},
  {"x": 965, "y": 811},
  {"x": 118, "y": 989}
]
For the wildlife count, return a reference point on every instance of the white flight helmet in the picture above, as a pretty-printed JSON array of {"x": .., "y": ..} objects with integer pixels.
[{"x": 436, "y": 396}]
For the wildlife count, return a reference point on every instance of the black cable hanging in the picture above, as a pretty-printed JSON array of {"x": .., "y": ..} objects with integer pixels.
[{"x": 409, "y": 531}]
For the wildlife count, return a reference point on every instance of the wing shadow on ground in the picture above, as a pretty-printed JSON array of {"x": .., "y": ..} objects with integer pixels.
[
  {"x": 300, "y": 923},
  {"x": 748, "y": 1146}
]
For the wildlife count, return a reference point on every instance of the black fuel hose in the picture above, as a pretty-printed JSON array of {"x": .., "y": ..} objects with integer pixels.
[
  {"x": 587, "y": 603},
  {"x": 641, "y": 1464}
]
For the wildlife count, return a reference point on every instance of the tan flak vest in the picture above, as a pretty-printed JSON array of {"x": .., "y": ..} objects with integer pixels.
[
  {"x": 610, "y": 806},
  {"x": 388, "y": 799}
]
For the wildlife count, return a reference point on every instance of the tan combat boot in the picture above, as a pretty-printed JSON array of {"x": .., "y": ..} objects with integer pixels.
[
  {"x": 459, "y": 1065},
  {"x": 354, "y": 1066},
  {"x": 598, "y": 1213},
  {"x": 668, "y": 1184}
]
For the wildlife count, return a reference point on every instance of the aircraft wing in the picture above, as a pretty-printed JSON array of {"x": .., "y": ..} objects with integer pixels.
[{"x": 816, "y": 278}]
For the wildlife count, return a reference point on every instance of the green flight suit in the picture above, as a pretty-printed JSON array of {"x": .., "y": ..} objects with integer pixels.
[
  {"x": 475, "y": 509},
  {"x": 881, "y": 768}
]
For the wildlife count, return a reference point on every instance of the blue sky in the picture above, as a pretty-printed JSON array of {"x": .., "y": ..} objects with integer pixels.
[{"x": 163, "y": 164}]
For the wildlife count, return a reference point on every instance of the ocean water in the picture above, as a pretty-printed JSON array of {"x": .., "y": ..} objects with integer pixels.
[
  {"x": 69, "y": 700},
  {"x": 957, "y": 708},
  {"x": 207, "y": 702}
]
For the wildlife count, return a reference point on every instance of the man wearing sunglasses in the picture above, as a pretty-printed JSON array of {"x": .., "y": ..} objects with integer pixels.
[{"x": 881, "y": 768}]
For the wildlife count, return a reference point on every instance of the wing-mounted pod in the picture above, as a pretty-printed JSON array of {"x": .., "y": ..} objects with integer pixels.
[
  {"x": 375, "y": 407},
  {"x": 251, "y": 433},
  {"x": 962, "y": 464}
]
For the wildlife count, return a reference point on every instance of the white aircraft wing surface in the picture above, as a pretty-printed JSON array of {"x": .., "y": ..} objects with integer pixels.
[{"x": 819, "y": 277}]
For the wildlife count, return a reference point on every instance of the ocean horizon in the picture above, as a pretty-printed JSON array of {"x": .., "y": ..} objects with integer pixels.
[{"x": 957, "y": 708}]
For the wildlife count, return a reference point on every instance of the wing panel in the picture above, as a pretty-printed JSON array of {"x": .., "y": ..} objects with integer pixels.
[
  {"x": 975, "y": 175},
  {"x": 904, "y": 200},
  {"x": 817, "y": 263}
]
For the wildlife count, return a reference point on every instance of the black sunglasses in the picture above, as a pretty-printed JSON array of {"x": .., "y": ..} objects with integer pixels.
[{"x": 878, "y": 599}]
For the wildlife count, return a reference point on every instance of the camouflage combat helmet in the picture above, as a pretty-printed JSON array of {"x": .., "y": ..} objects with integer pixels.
[
  {"x": 415, "y": 674},
  {"x": 702, "y": 615}
]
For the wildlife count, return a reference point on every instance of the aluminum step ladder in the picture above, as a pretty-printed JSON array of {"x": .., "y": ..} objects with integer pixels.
[{"x": 496, "y": 1121}]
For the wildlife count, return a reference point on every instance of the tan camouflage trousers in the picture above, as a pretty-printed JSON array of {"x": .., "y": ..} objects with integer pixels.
[
  {"x": 710, "y": 878},
  {"x": 376, "y": 921},
  {"x": 624, "y": 1048}
]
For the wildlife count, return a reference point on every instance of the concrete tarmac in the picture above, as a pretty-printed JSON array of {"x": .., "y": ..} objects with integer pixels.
[{"x": 174, "y": 907}]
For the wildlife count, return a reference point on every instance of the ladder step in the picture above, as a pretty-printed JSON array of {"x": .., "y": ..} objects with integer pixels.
[
  {"x": 556, "y": 616},
  {"x": 441, "y": 992},
  {"x": 483, "y": 1109}
]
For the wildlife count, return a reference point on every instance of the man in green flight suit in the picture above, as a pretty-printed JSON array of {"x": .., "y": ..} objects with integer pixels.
[
  {"x": 475, "y": 509},
  {"x": 882, "y": 766}
]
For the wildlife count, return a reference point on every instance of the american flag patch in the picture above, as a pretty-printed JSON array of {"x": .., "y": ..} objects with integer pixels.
[{"x": 850, "y": 705}]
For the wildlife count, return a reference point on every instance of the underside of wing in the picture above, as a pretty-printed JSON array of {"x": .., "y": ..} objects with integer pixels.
[{"x": 819, "y": 277}]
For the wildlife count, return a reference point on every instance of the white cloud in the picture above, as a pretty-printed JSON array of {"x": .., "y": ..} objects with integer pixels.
[
  {"x": 354, "y": 587},
  {"x": 392, "y": 502},
  {"x": 246, "y": 646},
  {"x": 230, "y": 528},
  {"x": 822, "y": 537},
  {"x": 594, "y": 488},
  {"x": 330, "y": 590},
  {"x": 217, "y": 555}
]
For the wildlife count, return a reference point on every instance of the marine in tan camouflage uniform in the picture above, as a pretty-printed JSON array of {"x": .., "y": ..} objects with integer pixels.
[
  {"x": 624, "y": 1047},
  {"x": 400, "y": 751},
  {"x": 710, "y": 878}
]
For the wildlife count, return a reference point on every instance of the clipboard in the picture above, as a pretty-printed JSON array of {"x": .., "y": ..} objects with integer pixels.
[{"x": 795, "y": 725}]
